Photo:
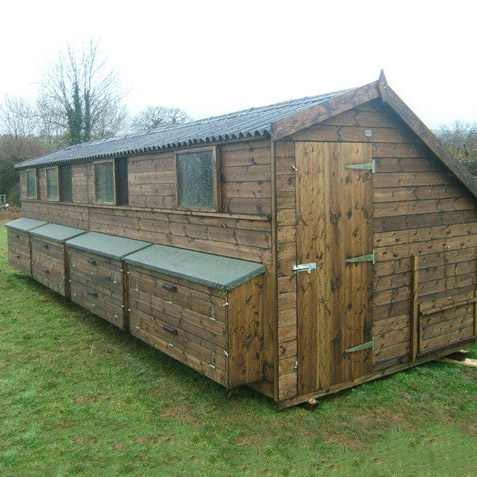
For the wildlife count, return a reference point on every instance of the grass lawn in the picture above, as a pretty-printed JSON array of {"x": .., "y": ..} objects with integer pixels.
[{"x": 80, "y": 397}]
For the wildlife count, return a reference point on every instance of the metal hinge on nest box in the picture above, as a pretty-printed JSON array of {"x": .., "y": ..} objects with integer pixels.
[
  {"x": 361, "y": 347},
  {"x": 304, "y": 267},
  {"x": 371, "y": 166},
  {"x": 363, "y": 258}
]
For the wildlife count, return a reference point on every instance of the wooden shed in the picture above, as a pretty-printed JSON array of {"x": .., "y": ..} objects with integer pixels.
[{"x": 333, "y": 237}]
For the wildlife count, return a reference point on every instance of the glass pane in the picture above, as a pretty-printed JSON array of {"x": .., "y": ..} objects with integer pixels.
[
  {"x": 52, "y": 183},
  {"x": 122, "y": 189},
  {"x": 104, "y": 183},
  {"x": 31, "y": 184},
  {"x": 66, "y": 183},
  {"x": 195, "y": 179}
]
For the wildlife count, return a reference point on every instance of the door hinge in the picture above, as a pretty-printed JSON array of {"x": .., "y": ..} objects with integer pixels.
[
  {"x": 363, "y": 258},
  {"x": 371, "y": 166},
  {"x": 304, "y": 267},
  {"x": 368, "y": 345}
]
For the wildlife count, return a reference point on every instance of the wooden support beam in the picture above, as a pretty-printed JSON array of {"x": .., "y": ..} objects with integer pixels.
[
  {"x": 415, "y": 308},
  {"x": 328, "y": 109}
]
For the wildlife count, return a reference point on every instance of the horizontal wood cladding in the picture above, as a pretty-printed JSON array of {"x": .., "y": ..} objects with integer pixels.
[
  {"x": 216, "y": 333},
  {"x": 50, "y": 264},
  {"x": 19, "y": 253},
  {"x": 245, "y": 174},
  {"x": 97, "y": 284},
  {"x": 234, "y": 237},
  {"x": 419, "y": 208}
]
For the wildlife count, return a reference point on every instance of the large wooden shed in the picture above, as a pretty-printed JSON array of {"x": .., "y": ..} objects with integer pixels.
[{"x": 300, "y": 248}]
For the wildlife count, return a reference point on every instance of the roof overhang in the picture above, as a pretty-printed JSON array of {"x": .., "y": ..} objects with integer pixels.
[{"x": 351, "y": 99}]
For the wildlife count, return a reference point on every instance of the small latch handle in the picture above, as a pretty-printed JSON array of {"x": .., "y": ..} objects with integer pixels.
[{"x": 304, "y": 267}]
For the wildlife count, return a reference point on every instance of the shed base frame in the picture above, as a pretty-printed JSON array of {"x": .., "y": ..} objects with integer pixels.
[{"x": 371, "y": 377}]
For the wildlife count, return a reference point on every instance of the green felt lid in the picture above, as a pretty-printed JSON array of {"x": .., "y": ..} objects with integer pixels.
[
  {"x": 24, "y": 224},
  {"x": 56, "y": 233},
  {"x": 214, "y": 271},
  {"x": 108, "y": 245}
]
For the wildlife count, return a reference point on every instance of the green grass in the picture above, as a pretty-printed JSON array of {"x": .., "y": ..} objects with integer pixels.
[{"x": 79, "y": 397}]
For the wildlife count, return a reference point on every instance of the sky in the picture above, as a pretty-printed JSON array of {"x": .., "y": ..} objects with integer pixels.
[{"x": 212, "y": 57}]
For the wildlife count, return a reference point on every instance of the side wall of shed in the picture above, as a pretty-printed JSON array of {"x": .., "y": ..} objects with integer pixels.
[
  {"x": 420, "y": 208},
  {"x": 242, "y": 228}
]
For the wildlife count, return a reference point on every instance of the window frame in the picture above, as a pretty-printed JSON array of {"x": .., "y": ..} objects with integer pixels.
[
  {"x": 35, "y": 171},
  {"x": 57, "y": 199},
  {"x": 61, "y": 170},
  {"x": 110, "y": 161},
  {"x": 216, "y": 179},
  {"x": 117, "y": 187}
]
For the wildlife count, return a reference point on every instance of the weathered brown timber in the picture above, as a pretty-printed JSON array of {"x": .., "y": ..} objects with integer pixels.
[
  {"x": 48, "y": 265},
  {"x": 404, "y": 213},
  {"x": 97, "y": 285},
  {"x": 215, "y": 332},
  {"x": 19, "y": 254}
]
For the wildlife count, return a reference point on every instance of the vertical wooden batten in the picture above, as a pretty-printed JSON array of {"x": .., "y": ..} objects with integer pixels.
[{"x": 415, "y": 308}]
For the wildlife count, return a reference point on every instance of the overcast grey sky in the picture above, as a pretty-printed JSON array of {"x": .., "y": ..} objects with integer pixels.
[{"x": 212, "y": 57}]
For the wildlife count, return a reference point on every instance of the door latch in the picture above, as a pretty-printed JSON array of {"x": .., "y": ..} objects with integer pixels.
[{"x": 304, "y": 267}]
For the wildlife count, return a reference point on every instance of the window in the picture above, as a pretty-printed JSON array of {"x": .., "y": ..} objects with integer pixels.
[
  {"x": 52, "y": 183},
  {"x": 31, "y": 184},
  {"x": 66, "y": 183},
  {"x": 197, "y": 180},
  {"x": 122, "y": 189},
  {"x": 111, "y": 182},
  {"x": 104, "y": 182}
]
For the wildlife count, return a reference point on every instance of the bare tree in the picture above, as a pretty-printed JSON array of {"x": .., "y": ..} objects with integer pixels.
[
  {"x": 18, "y": 117},
  {"x": 158, "y": 116},
  {"x": 461, "y": 140},
  {"x": 80, "y": 96}
]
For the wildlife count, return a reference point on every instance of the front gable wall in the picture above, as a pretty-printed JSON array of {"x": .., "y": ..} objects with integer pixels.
[{"x": 419, "y": 208}]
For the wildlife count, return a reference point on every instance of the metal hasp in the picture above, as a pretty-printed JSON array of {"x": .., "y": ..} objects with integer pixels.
[
  {"x": 367, "y": 166},
  {"x": 368, "y": 345},
  {"x": 304, "y": 267},
  {"x": 363, "y": 258}
]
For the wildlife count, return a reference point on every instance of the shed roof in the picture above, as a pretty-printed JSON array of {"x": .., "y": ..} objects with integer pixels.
[
  {"x": 57, "y": 233},
  {"x": 214, "y": 271},
  {"x": 107, "y": 245},
  {"x": 242, "y": 124},
  {"x": 275, "y": 121},
  {"x": 25, "y": 225}
]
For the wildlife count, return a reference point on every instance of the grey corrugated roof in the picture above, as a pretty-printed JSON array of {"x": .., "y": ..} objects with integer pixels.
[
  {"x": 57, "y": 233},
  {"x": 108, "y": 245},
  {"x": 24, "y": 224},
  {"x": 214, "y": 271},
  {"x": 247, "y": 123}
]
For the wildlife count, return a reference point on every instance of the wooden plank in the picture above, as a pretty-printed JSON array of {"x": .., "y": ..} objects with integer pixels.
[
  {"x": 452, "y": 299},
  {"x": 415, "y": 308},
  {"x": 424, "y": 235},
  {"x": 322, "y": 132},
  {"x": 245, "y": 333},
  {"x": 403, "y": 222},
  {"x": 395, "y": 194},
  {"x": 412, "y": 179},
  {"x": 414, "y": 207},
  {"x": 310, "y": 166}
]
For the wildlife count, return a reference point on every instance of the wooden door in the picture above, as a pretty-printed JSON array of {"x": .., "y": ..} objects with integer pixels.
[{"x": 334, "y": 223}]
